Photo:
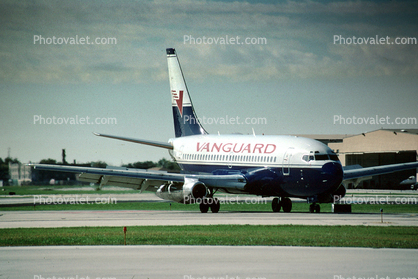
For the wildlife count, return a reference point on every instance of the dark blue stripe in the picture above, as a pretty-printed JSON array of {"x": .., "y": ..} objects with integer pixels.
[
  {"x": 186, "y": 124},
  {"x": 271, "y": 181}
]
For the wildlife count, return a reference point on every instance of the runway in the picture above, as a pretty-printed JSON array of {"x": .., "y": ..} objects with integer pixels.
[
  {"x": 49, "y": 219},
  {"x": 198, "y": 262},
  {"x": 187, "y": 262}
]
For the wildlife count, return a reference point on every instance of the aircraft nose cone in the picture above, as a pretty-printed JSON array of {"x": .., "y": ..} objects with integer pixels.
[
  {"x": 333, "y": 169},
  {"x": 332, "y": 175}
]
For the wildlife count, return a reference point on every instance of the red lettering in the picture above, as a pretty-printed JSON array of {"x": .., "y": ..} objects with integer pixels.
[
  {"x": 227, "y": 149},
  {"x": 217, "y": 147},
  {"x": 239, "y": 149},
  {"x": 247, "y": 148},
  {"x": 272, "y": 148},
  {"x": 204, "y": 147},
  {"x": 236, "y": 147},
  {"x": 258, "y": 147}
]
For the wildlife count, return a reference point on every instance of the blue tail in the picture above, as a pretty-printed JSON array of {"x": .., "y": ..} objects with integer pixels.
[{"x": 186, "y": 122}]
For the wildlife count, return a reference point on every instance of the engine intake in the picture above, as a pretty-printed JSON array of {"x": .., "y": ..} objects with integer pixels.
[{"x": 191, "y": 191}]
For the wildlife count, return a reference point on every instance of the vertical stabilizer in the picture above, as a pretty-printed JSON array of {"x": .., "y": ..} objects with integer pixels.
[{"x": 186, "y": 122}]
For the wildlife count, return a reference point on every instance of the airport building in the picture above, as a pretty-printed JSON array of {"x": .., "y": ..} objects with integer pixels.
[
  {"x": 375, "y": 148},
  {"x": 381, "y": 147},
  {"x": 20, "y": 174}
]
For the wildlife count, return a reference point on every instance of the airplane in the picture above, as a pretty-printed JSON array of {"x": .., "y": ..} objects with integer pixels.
[{"x": 277, "y": 166}]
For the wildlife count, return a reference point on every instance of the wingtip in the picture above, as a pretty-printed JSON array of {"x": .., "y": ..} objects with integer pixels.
[{"x": 96, "y": 134}]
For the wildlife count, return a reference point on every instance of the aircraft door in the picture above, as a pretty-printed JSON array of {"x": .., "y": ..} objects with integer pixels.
[
  {"x": 286, "y": 161},
  {"x": 229, "y": 160}
]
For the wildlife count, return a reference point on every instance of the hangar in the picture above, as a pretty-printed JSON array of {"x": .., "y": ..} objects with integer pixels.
[{"x": 380, "y": 147}]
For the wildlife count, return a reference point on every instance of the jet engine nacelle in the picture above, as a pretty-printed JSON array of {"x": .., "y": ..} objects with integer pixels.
[{"x": 191, "y": 191}]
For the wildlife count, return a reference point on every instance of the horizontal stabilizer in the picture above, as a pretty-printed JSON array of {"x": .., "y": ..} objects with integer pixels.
[{"x": 141, "y": 141}]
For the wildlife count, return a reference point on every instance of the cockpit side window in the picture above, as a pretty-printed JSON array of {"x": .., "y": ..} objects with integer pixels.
[
  {"x": 320, "y": 157},
  {"x": 308, "y": 158}
]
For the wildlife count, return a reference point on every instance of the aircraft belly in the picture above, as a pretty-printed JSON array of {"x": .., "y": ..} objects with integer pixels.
[
  {"x": 296, "y": 182},
  {"x": 307, "y": 182}
]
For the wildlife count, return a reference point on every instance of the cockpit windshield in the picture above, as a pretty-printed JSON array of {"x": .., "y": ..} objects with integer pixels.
[{"x": 320, "y": 157}]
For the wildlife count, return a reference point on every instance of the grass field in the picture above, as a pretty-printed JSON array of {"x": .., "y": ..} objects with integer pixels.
[{"x": 281, "y": 235}]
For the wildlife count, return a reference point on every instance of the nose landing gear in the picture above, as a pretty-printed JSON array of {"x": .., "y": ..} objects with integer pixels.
[{"x": 314, "y": 208}]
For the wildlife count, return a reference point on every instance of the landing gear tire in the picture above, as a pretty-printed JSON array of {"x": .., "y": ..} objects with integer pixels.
[
  {"x": 210, "y": 203},
  {"x": 314, "y": 208},
  {"x": 286, "y": 204},
  {"x": 276, "y": 205},
  {"x": 204, "y": 207},
  {"x": 215, "y": 206}
]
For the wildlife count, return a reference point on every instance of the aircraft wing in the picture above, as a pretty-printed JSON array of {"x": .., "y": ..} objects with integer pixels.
[
  {"x": 144, "y": 179},
  {"x": 358, "y": 174}
]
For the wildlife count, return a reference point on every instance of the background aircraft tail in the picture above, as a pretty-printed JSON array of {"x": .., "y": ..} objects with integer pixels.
[{"x": 186, "y": 122}]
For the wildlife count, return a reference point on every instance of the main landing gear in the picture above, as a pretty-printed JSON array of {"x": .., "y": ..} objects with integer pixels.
[
  {"x": 278, "y": 203},
  {"x": 210, "y": 203},
  {"x": 284, "y": 203}
]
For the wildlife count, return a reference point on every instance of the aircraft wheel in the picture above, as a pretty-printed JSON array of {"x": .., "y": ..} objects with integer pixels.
[
  {"x": 215, "y": 206},
  {"x": 314, "y": 208},
  {"x": 286, "y": 204},
  {"x": 204, "y": 206},
  {"x": 276, "y": 205}
]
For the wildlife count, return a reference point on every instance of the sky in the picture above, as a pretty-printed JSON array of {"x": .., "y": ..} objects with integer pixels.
[{"x": 310, "y": 68}]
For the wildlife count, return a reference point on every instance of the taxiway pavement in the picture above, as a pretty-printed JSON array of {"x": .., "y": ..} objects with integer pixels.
[
  {"x": 215, "y": 262},
  {"x": 81, "y": 218}
]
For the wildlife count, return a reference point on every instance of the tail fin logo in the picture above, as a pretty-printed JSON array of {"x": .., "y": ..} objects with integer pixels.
[{"x": 178, "y": 97}]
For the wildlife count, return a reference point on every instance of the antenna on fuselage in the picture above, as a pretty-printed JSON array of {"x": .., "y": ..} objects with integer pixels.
[{"x": 253, "y": 132}]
